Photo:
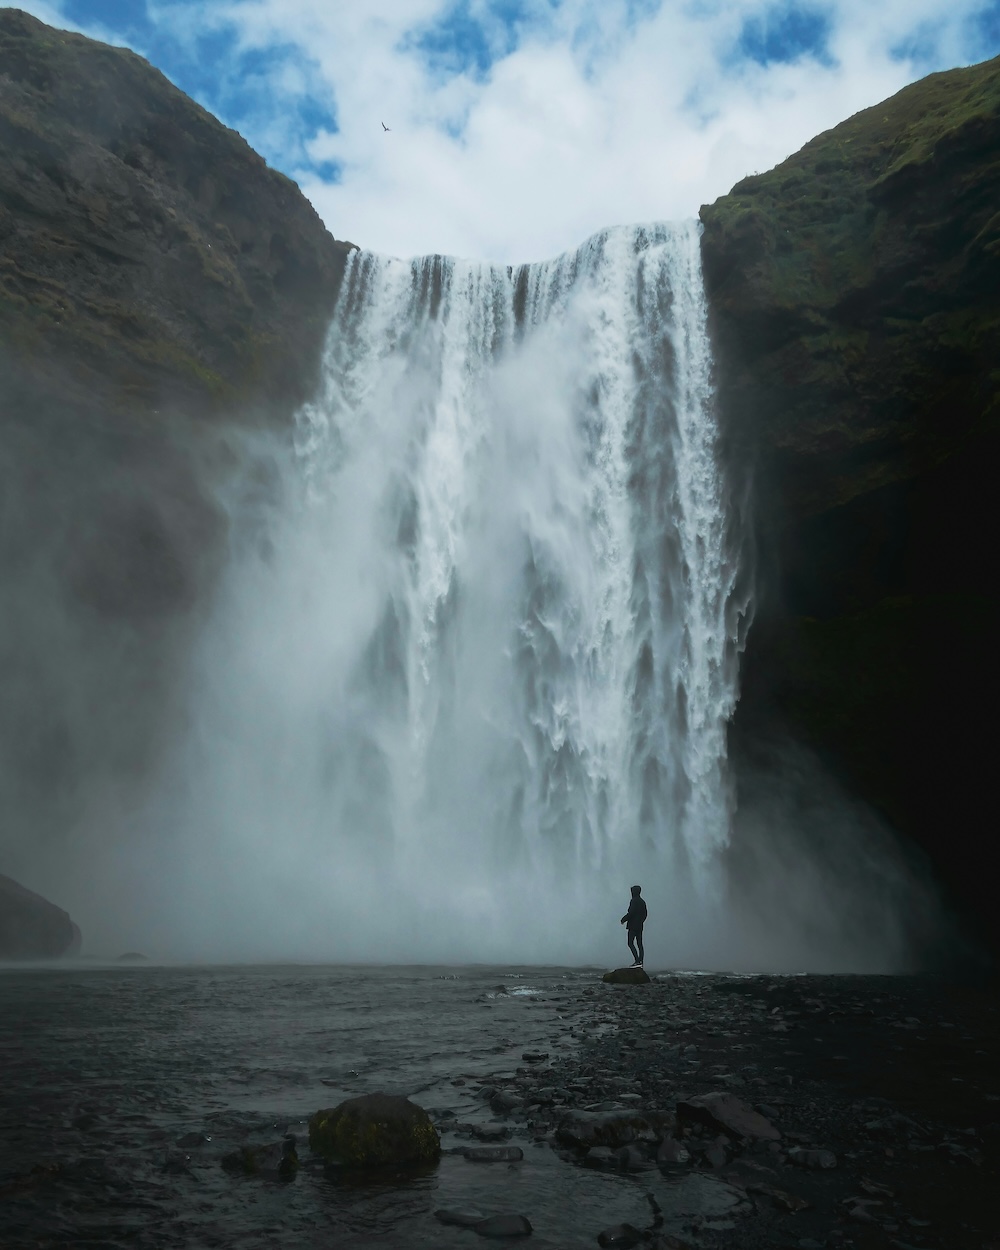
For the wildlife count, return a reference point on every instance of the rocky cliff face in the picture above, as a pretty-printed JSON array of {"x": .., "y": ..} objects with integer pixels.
[
  {"x": 855, "y": 293},
  {"x": 159, "y": 286}
]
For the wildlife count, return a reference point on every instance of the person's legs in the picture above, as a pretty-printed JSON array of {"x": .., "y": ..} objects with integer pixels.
[
  {"x": 638, "y": 938},
  {"x": 631, "y": 946}
]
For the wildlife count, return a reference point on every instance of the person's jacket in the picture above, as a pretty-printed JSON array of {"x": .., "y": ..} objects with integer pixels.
[{"x": 636, "y": 914}]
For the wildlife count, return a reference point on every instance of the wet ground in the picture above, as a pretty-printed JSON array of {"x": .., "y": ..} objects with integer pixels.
[{"x": 123, "y": 1090}]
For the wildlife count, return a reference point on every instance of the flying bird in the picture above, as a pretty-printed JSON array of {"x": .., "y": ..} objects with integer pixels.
[{"x": 385, "y": 128}]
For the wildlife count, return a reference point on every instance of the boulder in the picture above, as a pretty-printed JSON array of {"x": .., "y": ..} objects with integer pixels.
[
  {"x": 729, "y": 1114},
  {"x": 626, "y": 976},
  {"x": 375, "y": 1130},
  {"x": 31, "y": 927}
]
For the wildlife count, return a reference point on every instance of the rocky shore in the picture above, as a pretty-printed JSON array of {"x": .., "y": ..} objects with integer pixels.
[
  {"x": 167, "y": 1108},
  {"x": 810, "y": 1111}
]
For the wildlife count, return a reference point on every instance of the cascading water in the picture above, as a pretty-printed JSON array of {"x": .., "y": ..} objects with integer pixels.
[
  {"x": 532, "y": 627},
  {"x": 467, "y": 674}
]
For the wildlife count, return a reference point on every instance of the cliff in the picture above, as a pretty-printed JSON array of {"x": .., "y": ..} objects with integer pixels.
[
  {"x": 159, "y": 286},
  {"x": 855, "y": 296}
]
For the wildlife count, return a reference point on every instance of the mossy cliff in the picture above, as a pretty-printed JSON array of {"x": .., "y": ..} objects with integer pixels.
[
  {"x": 147, "y": 253},
  {"x": 855, "y": 296},
  {"x": 159, "y": 286}
]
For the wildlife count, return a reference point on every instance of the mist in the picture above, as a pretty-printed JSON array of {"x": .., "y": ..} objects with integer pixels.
[{"x": 467, "y": 668}]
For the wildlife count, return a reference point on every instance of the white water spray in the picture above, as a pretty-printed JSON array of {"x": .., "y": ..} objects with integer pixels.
[
  {"x": 468, "y": 672},
  {"x": 516, "y": 524}
]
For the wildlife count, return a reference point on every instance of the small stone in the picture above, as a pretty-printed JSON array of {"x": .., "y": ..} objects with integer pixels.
[
  {"x": 490, "y": 1132},
  {"x": 780, "y": 1197},
  {"x": 504, "y": 1226},
  {"x": 535, "y": 1056},
  {"x": 672, "y": 1152},
  {"x": 812, "y": 1158},
  {"x": 619, "y": 1235},
  {"x": 493, "y": 1154},
  {"x": 715, "y": 1156},
  {"x": 726, "y": 1111},
  {"x": 631, "y": 1159}
]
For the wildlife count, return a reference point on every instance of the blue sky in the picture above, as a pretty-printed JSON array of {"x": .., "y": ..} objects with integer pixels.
[{"x": 519, "y": 126}]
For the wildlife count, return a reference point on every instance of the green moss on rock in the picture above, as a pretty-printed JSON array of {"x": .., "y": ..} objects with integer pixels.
[{"x": 375, "y": 1130}]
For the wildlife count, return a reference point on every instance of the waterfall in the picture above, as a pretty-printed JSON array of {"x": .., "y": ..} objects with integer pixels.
[{"x": 525, "y": 561}]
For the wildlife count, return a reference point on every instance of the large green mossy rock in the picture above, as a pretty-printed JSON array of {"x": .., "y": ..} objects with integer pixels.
[{"x": 375, "y": 1130}]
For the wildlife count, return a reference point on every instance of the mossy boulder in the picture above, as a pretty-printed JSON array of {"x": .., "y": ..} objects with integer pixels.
[{"x": 375, "y": 1130}]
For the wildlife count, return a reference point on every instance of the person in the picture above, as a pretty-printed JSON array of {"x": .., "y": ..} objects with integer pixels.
[{"x": 635, "y": 918}]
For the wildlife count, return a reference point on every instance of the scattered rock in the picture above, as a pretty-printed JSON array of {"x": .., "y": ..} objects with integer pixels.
[
  {"x": 504, "y": 1226},
  {"x": 374, "y": 1130},
  {"x": 626, "y": 976},
  {"x": 727, "y": 1112},
  {"x": 535, "y": 1056},
  {"x": 583, "y": 1129},
  {"x": 493, "y": 1154}
]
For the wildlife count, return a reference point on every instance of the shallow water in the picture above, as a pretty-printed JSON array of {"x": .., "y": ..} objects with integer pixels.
[{"x": 107, "y": 1069}]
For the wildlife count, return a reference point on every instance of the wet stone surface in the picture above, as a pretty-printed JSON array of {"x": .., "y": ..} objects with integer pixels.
[{"x": 162, "y": 1108}]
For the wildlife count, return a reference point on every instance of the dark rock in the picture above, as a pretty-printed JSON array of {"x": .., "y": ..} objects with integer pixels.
[
  {"x": 505, "y": 1100},
  {"x": 535, "y": 1056},
  {"x": 672, "y": 1152},
  {"x": 460, "y": 1219},
  {"x": 716, "y": 1155},
  {"x": 600, "y": 1156},
  {"x": 804, "y": 1158},
  {"x": 375, "y": 1130},
  {"x": 192, "y": 1141},
  {"x": 727, "y": 1112},
  {"x": 31, "y": 927},
  {"x": 623, "y": 1235},
  {"x": 779, "y": 1197},
  {"x": 626, "y": 976},
  {"x": 503, "y": 1226},
  {"x": 493, "y": 1154},
  {"x": 630, "y": 1159},
  {"x": 491, "y": 1132},
  {"x": 584, "y": 1129},
  {"x": 278, "y": 1160}
]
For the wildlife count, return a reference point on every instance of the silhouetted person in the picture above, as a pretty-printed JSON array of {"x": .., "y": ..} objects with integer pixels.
[{"x": 635, "y": 918}]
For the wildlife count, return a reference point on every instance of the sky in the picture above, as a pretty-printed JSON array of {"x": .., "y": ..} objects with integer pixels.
[{"x": 517, "y": 128}]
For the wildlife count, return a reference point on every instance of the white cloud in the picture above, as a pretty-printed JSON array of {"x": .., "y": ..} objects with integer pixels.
[{"x": 593, "y": 118}]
